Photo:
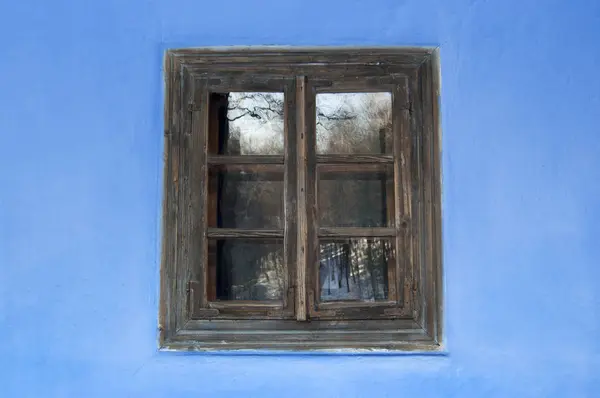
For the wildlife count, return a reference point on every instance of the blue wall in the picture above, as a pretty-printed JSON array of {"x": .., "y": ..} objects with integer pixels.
[{"x": 80, "y": 177}]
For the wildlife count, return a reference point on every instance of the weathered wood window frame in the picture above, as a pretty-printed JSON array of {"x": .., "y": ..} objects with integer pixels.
[{"x": 411, "y": 318}]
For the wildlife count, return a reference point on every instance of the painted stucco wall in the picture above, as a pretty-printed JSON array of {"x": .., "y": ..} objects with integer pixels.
[{"x": 80, "y": 194}]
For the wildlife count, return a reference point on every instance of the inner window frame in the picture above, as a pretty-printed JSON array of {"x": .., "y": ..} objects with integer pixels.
[{"x": 412, "y": 321}]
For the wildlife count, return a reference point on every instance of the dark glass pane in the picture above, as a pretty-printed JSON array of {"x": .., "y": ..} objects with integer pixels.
[
  {"x": 354, "y": 123},
  {"x": 245, "y": 197},
  {"x": 355, "y": 269},
  {"x": 246, "y": 269},
  {"x": 246, "y": 124},
  {"x": 356, "y": 196}
]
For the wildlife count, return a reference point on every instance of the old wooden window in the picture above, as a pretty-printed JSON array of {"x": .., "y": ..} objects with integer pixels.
[{"x": 302, "y": 200}]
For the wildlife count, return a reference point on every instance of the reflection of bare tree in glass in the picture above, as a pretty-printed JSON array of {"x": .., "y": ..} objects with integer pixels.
[
  {"x": 254, "y": 124},
  {"x": 252, "y": 270},
  {"x": 354, "y": 269},
  {"x": 346, "y": 123},
  {"x": 354, "y": 123},
  {"x": 355, "y": 198},
  {"x": 264, "y": 112},
  {"x": 366, "y": 130}
]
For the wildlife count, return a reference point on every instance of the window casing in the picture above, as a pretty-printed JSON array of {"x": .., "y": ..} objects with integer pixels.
[{"x": 196, "y": 307}]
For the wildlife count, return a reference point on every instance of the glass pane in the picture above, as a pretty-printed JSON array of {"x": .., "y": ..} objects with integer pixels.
[
  {"x": 355, "y": 269},
  {"x": 246, "y": 124},
  {"x": 246, "y": 269},
  {"x": 245, "y": 197},
  {"x": 356, "y": 196},
  {"x": 354, "y": 123}
]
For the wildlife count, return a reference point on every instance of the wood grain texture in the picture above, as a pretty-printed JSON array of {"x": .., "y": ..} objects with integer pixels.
[
  {"x": 245, "y": 310},
  {"x": 245, "y": 304},
  {"x": 200, "y": 152},
  {"x": 182, "y": 252},
  {"x": 302, "y": 217},
  {"x": 286, "y": 335},
  {"x": 402, "y": 180},
  {"x": 415, "y": 290},
  {"x": 181, "y": 167},
  {"x": 196, "y": 311},
  {"x": 426, "y": 164},
  {"x": 342, "y": 74},
  {"x": 349, "y": 169},
  {"x": 226, "y": 233},
  {"x": 348, "y": 56},
  {"x": 356, "y": 304},
  {"x": 291, "y": 325},
  {"x": 290, "y": 240},
  {"x": 356, "y": 232},
  {"x": 245, "y": 159},
  {"x": 411, "y": 319},
  {"x": 431, "y": 200},
  {"x": 389, "y": 202},
  {"x": 355, "y": 159},
  {"x": 312, "y": 240},
  {"x": 241, "y": 81},
  {"x": 167, "y": 322},
  {"x": 358, "y": 310},
  {"x": 437, "y": 325},
  {"x": 350, "y": 82},
  {"x": 251, "y": 172},
  {"x": 235, "y": 334}
]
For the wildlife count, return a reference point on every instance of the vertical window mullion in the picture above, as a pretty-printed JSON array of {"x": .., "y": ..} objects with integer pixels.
[
  {"x": 290, "y": 240},
  {"x": 310, "y": 212},
  {"x": 195, "y": 203},
  {"x": 302, "y": 247},
  {"x": 201, "y": 123},
  {"x": 403, "y": 222}
]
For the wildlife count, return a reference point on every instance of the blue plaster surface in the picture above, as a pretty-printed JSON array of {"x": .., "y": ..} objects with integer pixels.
[{"x": 81, "y": 173}]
